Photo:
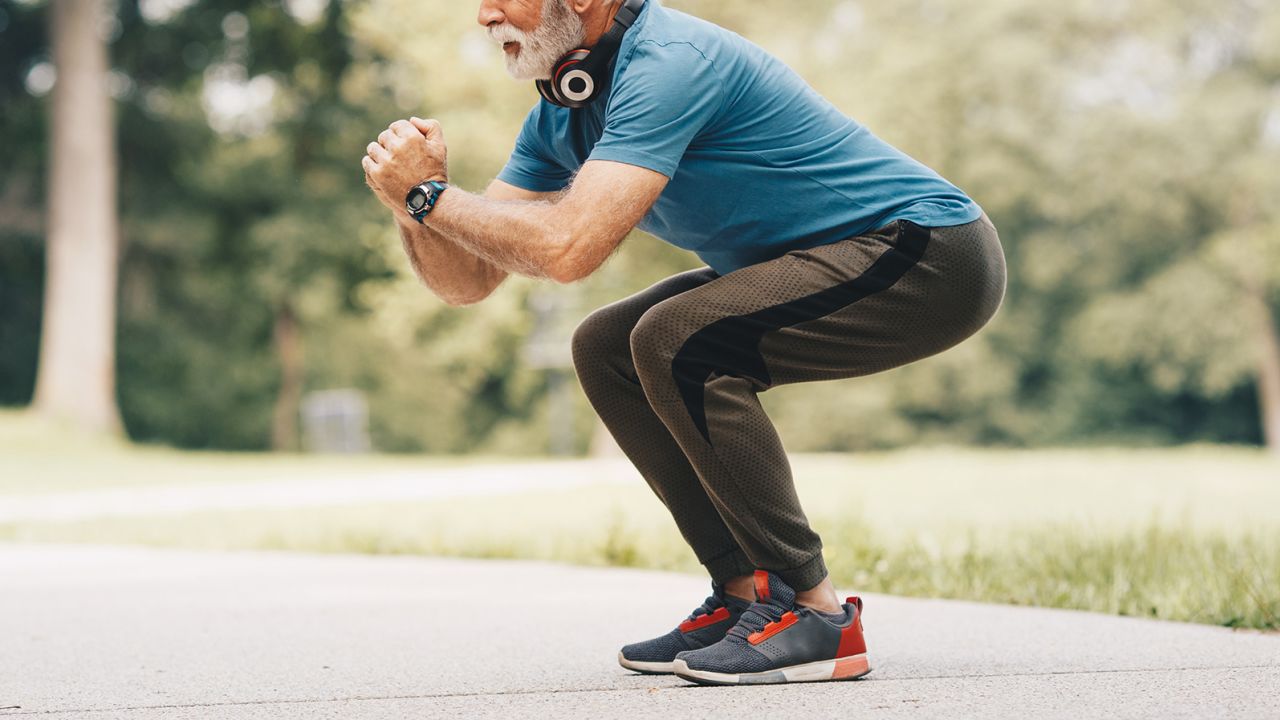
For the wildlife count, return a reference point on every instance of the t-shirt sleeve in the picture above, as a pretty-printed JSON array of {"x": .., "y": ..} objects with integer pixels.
[
  {"x": 666, "y": 95},
  {"x": 531, "y": 166}
]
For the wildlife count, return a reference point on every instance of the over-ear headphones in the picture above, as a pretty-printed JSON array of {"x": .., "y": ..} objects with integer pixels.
[{"x": 579, "y": 77}]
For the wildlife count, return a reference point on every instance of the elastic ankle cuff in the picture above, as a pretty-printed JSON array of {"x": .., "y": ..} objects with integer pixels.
[
  {"x": 806, "y": 576},
  {"x": 728, "y": 565}
]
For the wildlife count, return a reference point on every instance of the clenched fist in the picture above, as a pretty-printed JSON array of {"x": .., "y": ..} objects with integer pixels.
[{"x": 407, "y": 153}]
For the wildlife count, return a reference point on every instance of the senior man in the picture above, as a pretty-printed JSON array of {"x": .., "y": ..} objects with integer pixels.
[{"x": 829, "y": 254}]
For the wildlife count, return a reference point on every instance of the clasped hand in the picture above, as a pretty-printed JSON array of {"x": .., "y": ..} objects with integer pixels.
[{"x": 406, "y": 153}]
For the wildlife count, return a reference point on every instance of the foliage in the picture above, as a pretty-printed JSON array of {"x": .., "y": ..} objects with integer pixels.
[{"x": 1126, "y": 152}]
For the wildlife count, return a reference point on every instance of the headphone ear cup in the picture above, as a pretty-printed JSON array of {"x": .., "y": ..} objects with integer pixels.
[
  {"x": 550, "y": 89},
  {"x": 545, "y": 90},
  {"x": 572, "y": 83}
]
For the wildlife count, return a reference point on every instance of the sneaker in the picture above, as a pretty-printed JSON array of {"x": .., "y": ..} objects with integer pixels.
[
  {"x": 706, "y": 625},
  {"x": 777, "y": 641}
]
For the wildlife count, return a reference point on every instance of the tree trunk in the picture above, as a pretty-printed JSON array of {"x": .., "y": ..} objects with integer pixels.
[
  {"x": 76, "y": 376},
  {"x": 1268, "y": 366},
  {"x": 288, "y": 341}
]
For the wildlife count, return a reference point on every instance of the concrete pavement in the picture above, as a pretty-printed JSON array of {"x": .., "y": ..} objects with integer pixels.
[{"x": 135, "y": 633}]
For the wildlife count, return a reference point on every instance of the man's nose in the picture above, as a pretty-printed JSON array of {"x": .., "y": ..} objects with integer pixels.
[{"x": 490, "y": 13}]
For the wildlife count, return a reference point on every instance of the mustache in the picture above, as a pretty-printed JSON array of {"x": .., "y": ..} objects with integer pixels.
[{"x": 506, "y": 33}]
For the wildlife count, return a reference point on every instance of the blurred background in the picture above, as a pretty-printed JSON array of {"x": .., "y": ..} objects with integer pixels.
[{"x": 191, "y": 267}]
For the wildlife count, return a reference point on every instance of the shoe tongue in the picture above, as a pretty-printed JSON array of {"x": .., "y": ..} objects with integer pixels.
[{"x": 771, "y": 589}]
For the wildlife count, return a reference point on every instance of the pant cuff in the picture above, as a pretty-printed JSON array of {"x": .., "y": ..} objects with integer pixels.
[
  {"x": 806, "y": 576},
  {"x": 728, "y": 565}
]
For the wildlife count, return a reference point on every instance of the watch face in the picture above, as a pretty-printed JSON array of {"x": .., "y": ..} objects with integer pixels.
[{"x": 417, "y": 200}]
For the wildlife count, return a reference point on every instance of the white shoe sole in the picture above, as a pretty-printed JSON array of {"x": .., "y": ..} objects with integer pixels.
[
  {"x": 652, "y": 668},
  {"x": 845, "y": 668}
]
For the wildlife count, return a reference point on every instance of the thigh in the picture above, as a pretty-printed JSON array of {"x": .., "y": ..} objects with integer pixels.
[
  {"x": 951, "y": 284},
  {"x": 607, "y": 330},
  {"x": 845, "y": 309}
]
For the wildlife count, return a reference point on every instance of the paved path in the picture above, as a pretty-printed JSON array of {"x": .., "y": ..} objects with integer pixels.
[
  {"x": 487, "y": 479},
  {"x": 100, "y": 632}
]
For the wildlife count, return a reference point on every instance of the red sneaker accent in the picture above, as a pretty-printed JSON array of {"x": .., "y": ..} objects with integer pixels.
[
  {"x": 702, "y": 621},
  {"x": 851, "y": 667},
  {"x": 851, "y": 640},
  {"x": 762, "y": 585},
  {"x": 788, "y": 619}
]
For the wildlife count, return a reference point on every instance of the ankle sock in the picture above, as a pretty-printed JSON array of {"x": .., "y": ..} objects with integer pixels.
[{"x": 837, "y": 618}]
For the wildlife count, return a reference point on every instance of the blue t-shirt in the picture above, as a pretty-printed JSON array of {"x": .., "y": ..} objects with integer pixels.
[{"x": 759, "y": 162}]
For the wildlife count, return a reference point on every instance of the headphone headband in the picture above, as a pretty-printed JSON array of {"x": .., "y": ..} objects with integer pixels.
[{"x": 580, "y": 76}]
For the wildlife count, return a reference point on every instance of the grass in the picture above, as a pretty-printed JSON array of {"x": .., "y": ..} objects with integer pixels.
[
  {"x": 1152, "y": 571},
  {"x": 39, "y": 456},
  {"x": 1188, "y": 534}
]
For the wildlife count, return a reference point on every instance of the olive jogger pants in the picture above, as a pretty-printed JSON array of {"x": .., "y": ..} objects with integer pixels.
[{"x": 674, "y": 372}]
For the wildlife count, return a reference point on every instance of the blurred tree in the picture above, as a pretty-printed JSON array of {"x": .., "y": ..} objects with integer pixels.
[
  {"x": 244, "y": 204},
  {"x": 76, "y": 379},
  {"x": 1126, "y": 152},
  {"x": 1182, "y": 164},
  {"x": 23, "y": 121}
]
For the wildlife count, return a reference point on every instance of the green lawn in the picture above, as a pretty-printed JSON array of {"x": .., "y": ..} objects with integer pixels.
[
  {"x": 37, "y": 456},
  {"x": 1185, "y": 534}
]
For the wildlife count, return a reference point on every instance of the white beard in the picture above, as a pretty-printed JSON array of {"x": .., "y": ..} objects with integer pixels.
[{"x": 559, "y": 30}]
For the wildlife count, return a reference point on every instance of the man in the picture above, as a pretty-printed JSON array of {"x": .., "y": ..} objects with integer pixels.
[{"x": 829, "y": 254}]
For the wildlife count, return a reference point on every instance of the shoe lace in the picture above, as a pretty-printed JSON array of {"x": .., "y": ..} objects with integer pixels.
[
  {"x": 708, "y": 606},
  {"x": 756, "y": 617}
]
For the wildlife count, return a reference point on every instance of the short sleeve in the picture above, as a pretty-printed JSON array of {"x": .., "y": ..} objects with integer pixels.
[
  {"x": 530, "y": 165},
  {"x": 664, "y": 97}
]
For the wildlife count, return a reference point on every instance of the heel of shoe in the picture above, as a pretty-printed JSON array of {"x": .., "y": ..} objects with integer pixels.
[{"x": 854, "y": 666}]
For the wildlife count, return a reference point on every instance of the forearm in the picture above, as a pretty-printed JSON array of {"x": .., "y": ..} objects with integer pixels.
[
  {"x": 519, "y": 236},
  {"x": 457, "y": 276},
  {"x": 562, "y": 236}
]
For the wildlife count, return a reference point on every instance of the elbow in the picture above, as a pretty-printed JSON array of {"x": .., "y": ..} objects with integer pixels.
[
  {"x": 481, "y": 292},
  {"x": 465, "y": 300},
  {"x": 460, "y": 300},
  {"x": 564, "y": 276},
  {"x": 570, "y": 264}
]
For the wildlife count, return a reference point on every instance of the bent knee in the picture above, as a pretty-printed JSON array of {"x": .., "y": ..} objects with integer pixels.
[
  {"x": 599, "y": 334},
  {"x": 655, "y": 340}
]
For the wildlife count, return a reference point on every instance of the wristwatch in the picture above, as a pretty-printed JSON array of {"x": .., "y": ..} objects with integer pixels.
[{"x": 423, "y": 197}]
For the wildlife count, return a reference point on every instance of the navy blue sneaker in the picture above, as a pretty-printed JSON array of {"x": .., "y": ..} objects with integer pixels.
[
  {"x": 777, "y": 641},
  {"x": 706, "y": 625}
]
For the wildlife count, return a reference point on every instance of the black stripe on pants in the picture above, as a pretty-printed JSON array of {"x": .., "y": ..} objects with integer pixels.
[{"x": 674, "y": 372}]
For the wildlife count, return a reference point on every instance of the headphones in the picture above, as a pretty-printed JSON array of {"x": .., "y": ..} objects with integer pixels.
[{"x": 579, "y": 76}]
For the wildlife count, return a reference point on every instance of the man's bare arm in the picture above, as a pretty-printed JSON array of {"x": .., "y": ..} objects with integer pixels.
[
  {"x": 563, "y": 241},
  {"x": 457, "y": 275}
]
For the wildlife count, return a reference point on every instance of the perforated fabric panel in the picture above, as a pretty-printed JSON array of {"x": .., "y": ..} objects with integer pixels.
[
  {"x": 731, "y": 655},
  {"x": 660, "y": 649},
  {"x": 602, "y": 361},
  {"x": 674, "y": 372},
  {"x": 664, "y": 647}
]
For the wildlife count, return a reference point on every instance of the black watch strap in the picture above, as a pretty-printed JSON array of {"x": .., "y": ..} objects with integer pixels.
[{"x": 429, "y": 193}]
